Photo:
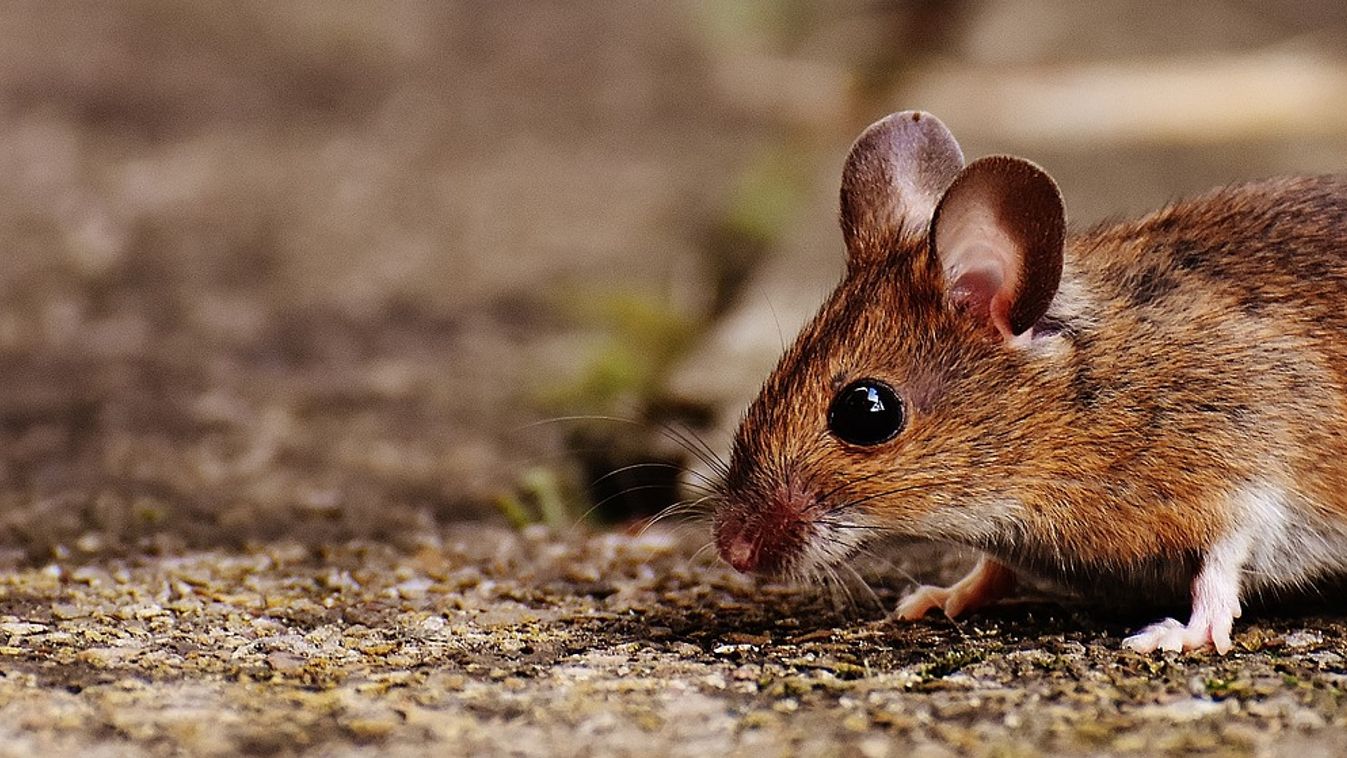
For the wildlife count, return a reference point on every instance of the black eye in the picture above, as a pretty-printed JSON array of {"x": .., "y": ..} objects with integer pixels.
[{"x": 866, "y": 412}]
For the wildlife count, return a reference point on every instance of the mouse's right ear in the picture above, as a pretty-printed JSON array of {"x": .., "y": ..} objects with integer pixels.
[
  {"x": 998, "y": 235},
  {"x": 895, "y": 174}
]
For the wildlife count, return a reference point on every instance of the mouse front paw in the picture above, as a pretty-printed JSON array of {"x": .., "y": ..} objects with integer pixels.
[
  {"x": 1215, "y": 606},
  {"x": 987, "y": 582},
  {"x": 920, "y": 601}
]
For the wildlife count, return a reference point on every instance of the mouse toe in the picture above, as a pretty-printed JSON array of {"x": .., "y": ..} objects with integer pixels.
[
  {"x": 1162, "y": 635},
  {"x": 917, "y": 603},
  {"x": 1171, "y": 635}
]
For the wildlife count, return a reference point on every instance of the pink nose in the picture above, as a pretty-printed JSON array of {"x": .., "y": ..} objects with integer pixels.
[{"x": 740, "y": 552}]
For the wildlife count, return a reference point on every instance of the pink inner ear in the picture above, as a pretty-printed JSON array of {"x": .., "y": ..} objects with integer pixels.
[
  {"x": 975, "y": 290},
  {"x": 981, "y": 263}
]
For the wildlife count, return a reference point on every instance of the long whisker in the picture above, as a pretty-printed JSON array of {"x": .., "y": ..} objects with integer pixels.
[
  {"x": 578, "y": 417},
  {"x": 864, "y": 584},
  {"x": 620, "y": 493},
  {"x": 697, "y": 437},
  {"x": 687, "y": 507},
  {"x": 779, "y": 334},
  {"x": 886, "y": 493},
  {"x": 890, "y": 565},
  {"x": 693, "y": 559},
  {"x": 707, "y": 459},
  {"x": 668, "y": 432},
  {"x": 698, "y": 449},
  {"x": 681, "y": 508},
  {"x": 656, "y": 464},
  {"x": 846, "y": 589},
  {"x": 825, "y": 496},
  {"x": 623, "y": 493},
  {"x": 844, "y": 525}
]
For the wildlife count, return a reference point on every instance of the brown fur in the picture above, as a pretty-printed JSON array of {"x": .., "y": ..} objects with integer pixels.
[{"x": 1190, "y": 352}]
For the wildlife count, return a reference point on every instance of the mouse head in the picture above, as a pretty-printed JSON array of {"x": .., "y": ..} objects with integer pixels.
[{"x": 902, "y": 407}]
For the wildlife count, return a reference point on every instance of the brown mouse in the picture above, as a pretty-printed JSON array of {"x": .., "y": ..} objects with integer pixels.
[{"x": 1156, "y": 407}]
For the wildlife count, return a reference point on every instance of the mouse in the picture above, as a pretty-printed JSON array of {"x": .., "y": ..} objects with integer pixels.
[{"x": 1153, "y": 408}]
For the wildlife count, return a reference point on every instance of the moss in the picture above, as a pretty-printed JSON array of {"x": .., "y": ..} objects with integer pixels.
[
  {"x": 944, "y": 664},
  {"x": 540, "y": 496},
  {"x": 1220, "y": 688},
  {"x": 640, "y": 336}
]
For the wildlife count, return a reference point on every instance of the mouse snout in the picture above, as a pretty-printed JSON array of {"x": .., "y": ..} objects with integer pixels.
[
  {"x": 755, "y": 547},
  {"x": 740, "y": 550},
  {"x": 764, "y": 540}
]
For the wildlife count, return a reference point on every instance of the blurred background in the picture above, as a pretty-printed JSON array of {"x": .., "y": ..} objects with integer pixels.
[{"x": 317, "y": 270}]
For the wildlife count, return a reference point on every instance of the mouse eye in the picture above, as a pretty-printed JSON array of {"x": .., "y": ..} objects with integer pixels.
[{"x": 866, "y": 412}]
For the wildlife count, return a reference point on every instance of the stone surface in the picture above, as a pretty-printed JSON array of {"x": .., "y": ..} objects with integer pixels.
[{"x": 487, "y": 641}]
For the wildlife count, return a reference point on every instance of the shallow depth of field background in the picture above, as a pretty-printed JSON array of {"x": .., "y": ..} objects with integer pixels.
[{"x": 314, "y": 270}]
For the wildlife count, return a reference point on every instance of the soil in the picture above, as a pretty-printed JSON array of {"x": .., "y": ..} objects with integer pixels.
[{"x": 491, "y": 641}]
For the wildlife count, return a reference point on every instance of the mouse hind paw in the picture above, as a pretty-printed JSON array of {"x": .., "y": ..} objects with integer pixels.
[
  {"x": 1215, "y": 607},
  {"x": 1171, "y": 635}
]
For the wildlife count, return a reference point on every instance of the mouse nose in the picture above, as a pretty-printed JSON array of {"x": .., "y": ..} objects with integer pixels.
[
  {"x": 741, "y": 552},
  {"x": 758, "y": 537}
]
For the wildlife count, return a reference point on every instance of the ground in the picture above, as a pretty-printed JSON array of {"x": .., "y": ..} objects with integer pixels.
[
  {"x": 486, "y": 640},
  {"x": 324, "y": 328}
]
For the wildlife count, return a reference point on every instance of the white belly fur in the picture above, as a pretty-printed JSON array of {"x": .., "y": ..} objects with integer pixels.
[{"x": 1291, "y": 543}]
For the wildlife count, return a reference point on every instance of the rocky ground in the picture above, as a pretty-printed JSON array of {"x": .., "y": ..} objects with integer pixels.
[
  {"x": 490, "y": 641},
  {"x": 307, "y": 312}
]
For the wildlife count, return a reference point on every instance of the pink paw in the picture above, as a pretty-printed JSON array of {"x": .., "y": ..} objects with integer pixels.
[
  {"x": 988, "y": 582},
  {"x": 920, "y": 601},
  {"x": 1205, "y": 629}
]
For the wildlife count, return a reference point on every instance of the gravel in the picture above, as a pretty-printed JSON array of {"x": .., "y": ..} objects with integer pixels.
[{"x": 484, "y": 640}]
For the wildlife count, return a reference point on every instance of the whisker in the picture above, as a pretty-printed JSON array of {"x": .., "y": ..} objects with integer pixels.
[
  {"x": 710, "y": 544},
  {"x": 695, "y": 446},
  {"x": 577, "y": 417},
  {"x": 843, "y": 603},
  {"x": 709, "y": 460},
  {"x": 709, "y": 482},
  {"x": 893, "y": 567},
  {"x": 624, "y": 492},
  {"x": 620, "y": 493},
  {"x": 699, "y": 439},
  {"x": 687, "y": 507},
  {"x": 886, "y": 493},
  {"x": 846, "y": 590},
  {"x": 844, "y": 525},
  {"x": 779, "y": 334},
  {"x": 866, "y": 585},
  {"x": 824, "y": 497},
  {"x": 705, "y": 455}
]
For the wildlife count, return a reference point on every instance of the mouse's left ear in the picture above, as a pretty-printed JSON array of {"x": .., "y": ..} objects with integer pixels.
[{"x": 998, "y": 233}]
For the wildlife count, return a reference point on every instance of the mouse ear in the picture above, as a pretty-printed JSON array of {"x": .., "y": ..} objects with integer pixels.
[
  {"x": 894, "y": 176},
  {"x": 998, "y": 234}
]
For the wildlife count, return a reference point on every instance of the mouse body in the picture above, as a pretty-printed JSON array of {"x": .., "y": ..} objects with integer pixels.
[{"x": 1155, "y": 407}]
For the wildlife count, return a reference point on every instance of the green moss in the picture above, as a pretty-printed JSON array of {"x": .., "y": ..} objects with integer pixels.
[
  {"x": 539, "y": 497},
  {"x": 641, "y": 335},
  {"x": 949, "y": 662},
  {"x": 1220, "y": 688},
  {"x": 766, "y": 195},
  {"x": 775, "y": 24}
]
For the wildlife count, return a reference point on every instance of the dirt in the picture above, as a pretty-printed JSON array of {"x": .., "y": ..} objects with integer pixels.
[{"x": 484, "y": 640}]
